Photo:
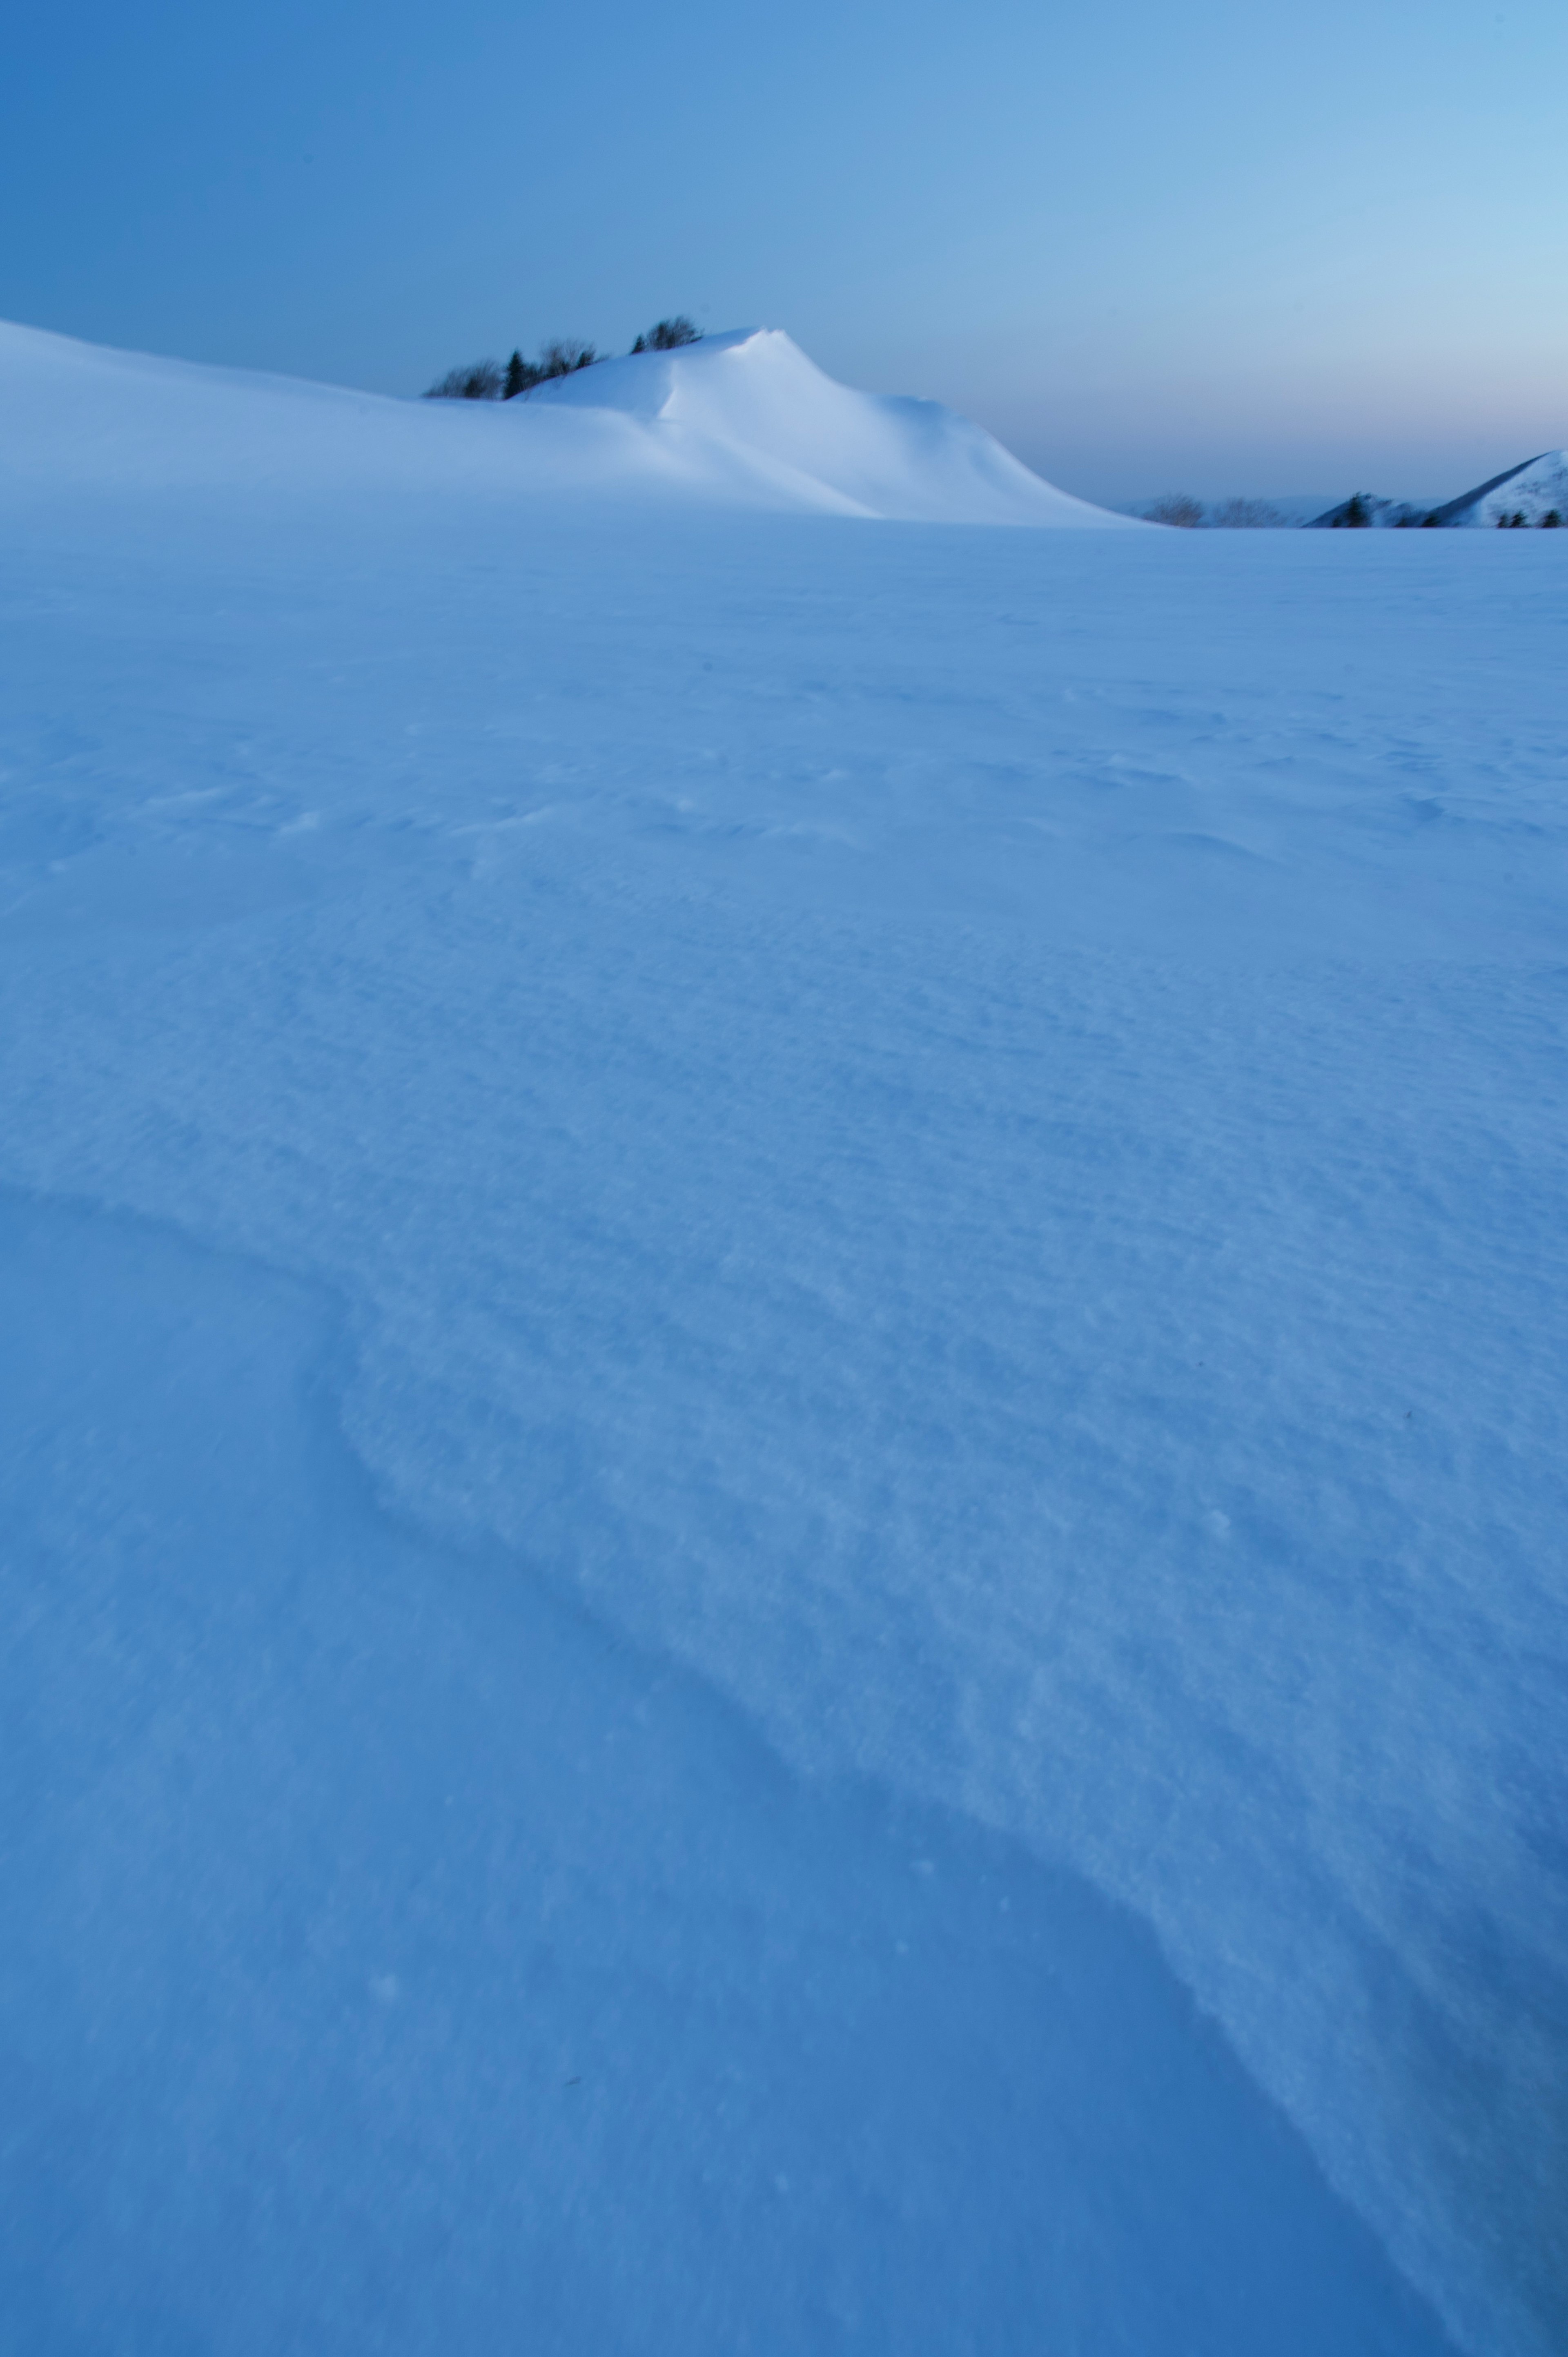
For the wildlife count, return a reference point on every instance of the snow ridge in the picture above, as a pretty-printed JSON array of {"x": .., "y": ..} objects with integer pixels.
[{"x": 742, "y": 420}]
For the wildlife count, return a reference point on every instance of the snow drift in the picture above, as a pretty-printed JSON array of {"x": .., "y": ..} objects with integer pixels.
[{"x": 741, "y": 421}]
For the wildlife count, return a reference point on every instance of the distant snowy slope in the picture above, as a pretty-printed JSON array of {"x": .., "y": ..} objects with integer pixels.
[
  {"x": 742, "y": 421},
  {"x": 1367, "y": 510},
  {"x": 1535, "y": 490}
]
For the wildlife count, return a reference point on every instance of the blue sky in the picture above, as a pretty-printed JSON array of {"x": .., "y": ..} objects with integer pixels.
[{"x": 1219, "y": 247}]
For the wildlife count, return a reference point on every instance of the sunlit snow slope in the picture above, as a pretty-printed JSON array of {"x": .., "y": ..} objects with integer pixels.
[{"x": 781, "y": 1394}]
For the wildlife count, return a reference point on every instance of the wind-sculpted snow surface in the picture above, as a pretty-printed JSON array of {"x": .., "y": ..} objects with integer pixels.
[{"x": 785, "y": 1420}]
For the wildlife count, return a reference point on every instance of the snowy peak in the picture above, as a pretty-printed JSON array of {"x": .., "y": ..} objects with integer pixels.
[{"x": 660, "y": 383}]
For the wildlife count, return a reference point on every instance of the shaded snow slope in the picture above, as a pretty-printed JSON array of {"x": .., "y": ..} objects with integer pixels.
[{"x": 740, "y": 421}]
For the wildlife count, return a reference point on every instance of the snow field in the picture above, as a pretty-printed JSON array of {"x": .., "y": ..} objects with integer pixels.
[{"x": 936, "y": 1157}]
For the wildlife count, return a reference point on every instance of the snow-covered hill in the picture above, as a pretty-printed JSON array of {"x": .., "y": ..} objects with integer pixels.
[
  {"x": 781, "y": 1393},
  {"x": 741, "y": 420},
  {"x": 1367, "y": 510},
  {"x": 1535, "y": 490},
  {"x": 1532, "y": 493}
]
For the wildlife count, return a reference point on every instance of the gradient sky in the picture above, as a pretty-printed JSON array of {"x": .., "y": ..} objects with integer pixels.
[{"x": 1218, "y": 247}]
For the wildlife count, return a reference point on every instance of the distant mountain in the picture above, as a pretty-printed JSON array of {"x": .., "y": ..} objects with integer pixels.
[
  {"x": 1534, "y": 492},
  {"x": 1364, "y": 511}
]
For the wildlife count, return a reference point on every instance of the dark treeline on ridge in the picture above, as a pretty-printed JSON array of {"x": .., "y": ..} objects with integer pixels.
[{"x": 490, "y": 380}]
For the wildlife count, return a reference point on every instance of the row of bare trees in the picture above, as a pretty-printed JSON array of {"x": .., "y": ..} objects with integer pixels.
[
  {"x": 490, "y": 380},
  {"x": 1226, "y": 515}
]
